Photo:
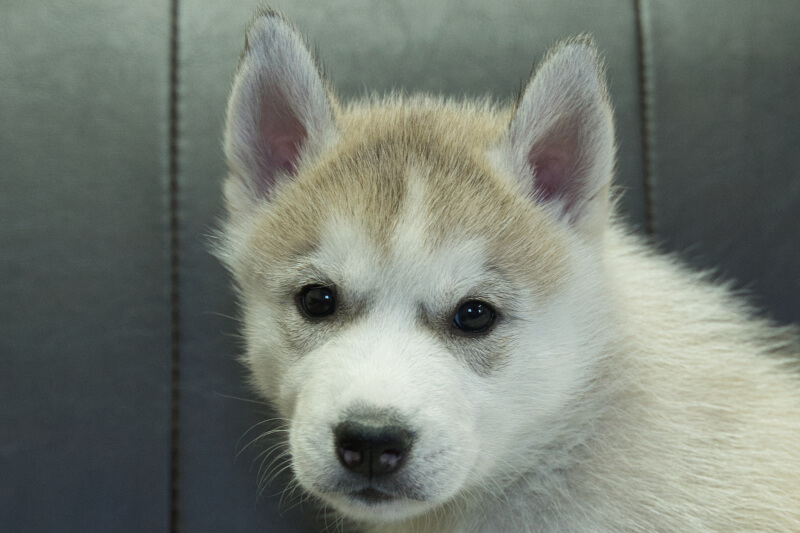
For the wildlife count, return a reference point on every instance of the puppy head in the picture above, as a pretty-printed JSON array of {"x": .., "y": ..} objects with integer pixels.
[{"x": 420, "y": 280}]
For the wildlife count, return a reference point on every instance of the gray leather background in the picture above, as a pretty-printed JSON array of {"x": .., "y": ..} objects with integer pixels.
[
  {"x": 84, "y": 259},
  {"x": 85, "y": 247},
  {"x": 726, "y": 188}
]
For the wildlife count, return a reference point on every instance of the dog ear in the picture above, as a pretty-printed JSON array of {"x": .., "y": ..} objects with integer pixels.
[
  {"x": 561, "y": 137},
  {"x": 279, "y": 112}
]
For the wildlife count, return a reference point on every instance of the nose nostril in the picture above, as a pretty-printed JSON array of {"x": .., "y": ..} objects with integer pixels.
[
  {"x": 390, "y": 459},
  {"x": 371, "y": 450},
  {"x": 350, "y": 458}
]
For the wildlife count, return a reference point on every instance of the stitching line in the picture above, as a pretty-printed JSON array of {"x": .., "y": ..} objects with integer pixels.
[
  {"x": 647, "y": 112},
  {"x": 175, "y": 332}
]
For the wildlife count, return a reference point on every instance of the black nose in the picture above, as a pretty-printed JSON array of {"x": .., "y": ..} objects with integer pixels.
[{"x": 371, "y": 450}]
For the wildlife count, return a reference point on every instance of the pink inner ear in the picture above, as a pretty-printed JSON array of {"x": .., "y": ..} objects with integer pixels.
[
  {"x": 285, "y": 150},
  {"x": 553, "y": 167},
  {"x": 282, "y": 137}
]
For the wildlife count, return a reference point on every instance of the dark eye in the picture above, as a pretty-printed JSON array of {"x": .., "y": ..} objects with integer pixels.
[
  {"x": 317, "y": 301},
  {"x": 473, "y": 316}
]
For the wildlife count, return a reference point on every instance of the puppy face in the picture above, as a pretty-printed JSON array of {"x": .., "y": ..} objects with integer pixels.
[{"x": 420, "y": 314}]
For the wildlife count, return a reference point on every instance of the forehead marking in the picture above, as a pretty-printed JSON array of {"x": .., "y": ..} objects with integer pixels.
[
  {"x": 410, "y": 236},
  {"x": 412, "y": 187}
]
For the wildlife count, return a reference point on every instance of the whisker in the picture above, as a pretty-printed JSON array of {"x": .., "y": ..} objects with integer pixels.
[
  {"x": 247, "y": 400},
  {"x": 260, "y": 437},
  {"x": 223, "y": 315}
]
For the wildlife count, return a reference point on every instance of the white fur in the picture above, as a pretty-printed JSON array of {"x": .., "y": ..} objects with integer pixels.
[{"x": 617, "y": 390}]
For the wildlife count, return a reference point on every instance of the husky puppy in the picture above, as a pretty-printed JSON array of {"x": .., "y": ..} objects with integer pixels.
[{"x": 439, "y": 300}]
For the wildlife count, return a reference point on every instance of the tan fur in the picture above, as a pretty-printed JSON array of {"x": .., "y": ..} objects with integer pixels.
[
  {"x": 366, "y": 179},
  {"x": 680, "y": 409}
]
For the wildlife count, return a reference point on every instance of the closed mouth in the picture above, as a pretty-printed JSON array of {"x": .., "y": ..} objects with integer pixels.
[{"x": 372, "y": 496}]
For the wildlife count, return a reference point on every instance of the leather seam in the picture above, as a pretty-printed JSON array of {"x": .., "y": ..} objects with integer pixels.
[
  {"x": 647, "y": 112},
  {"x": 174, "y": 237}
]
